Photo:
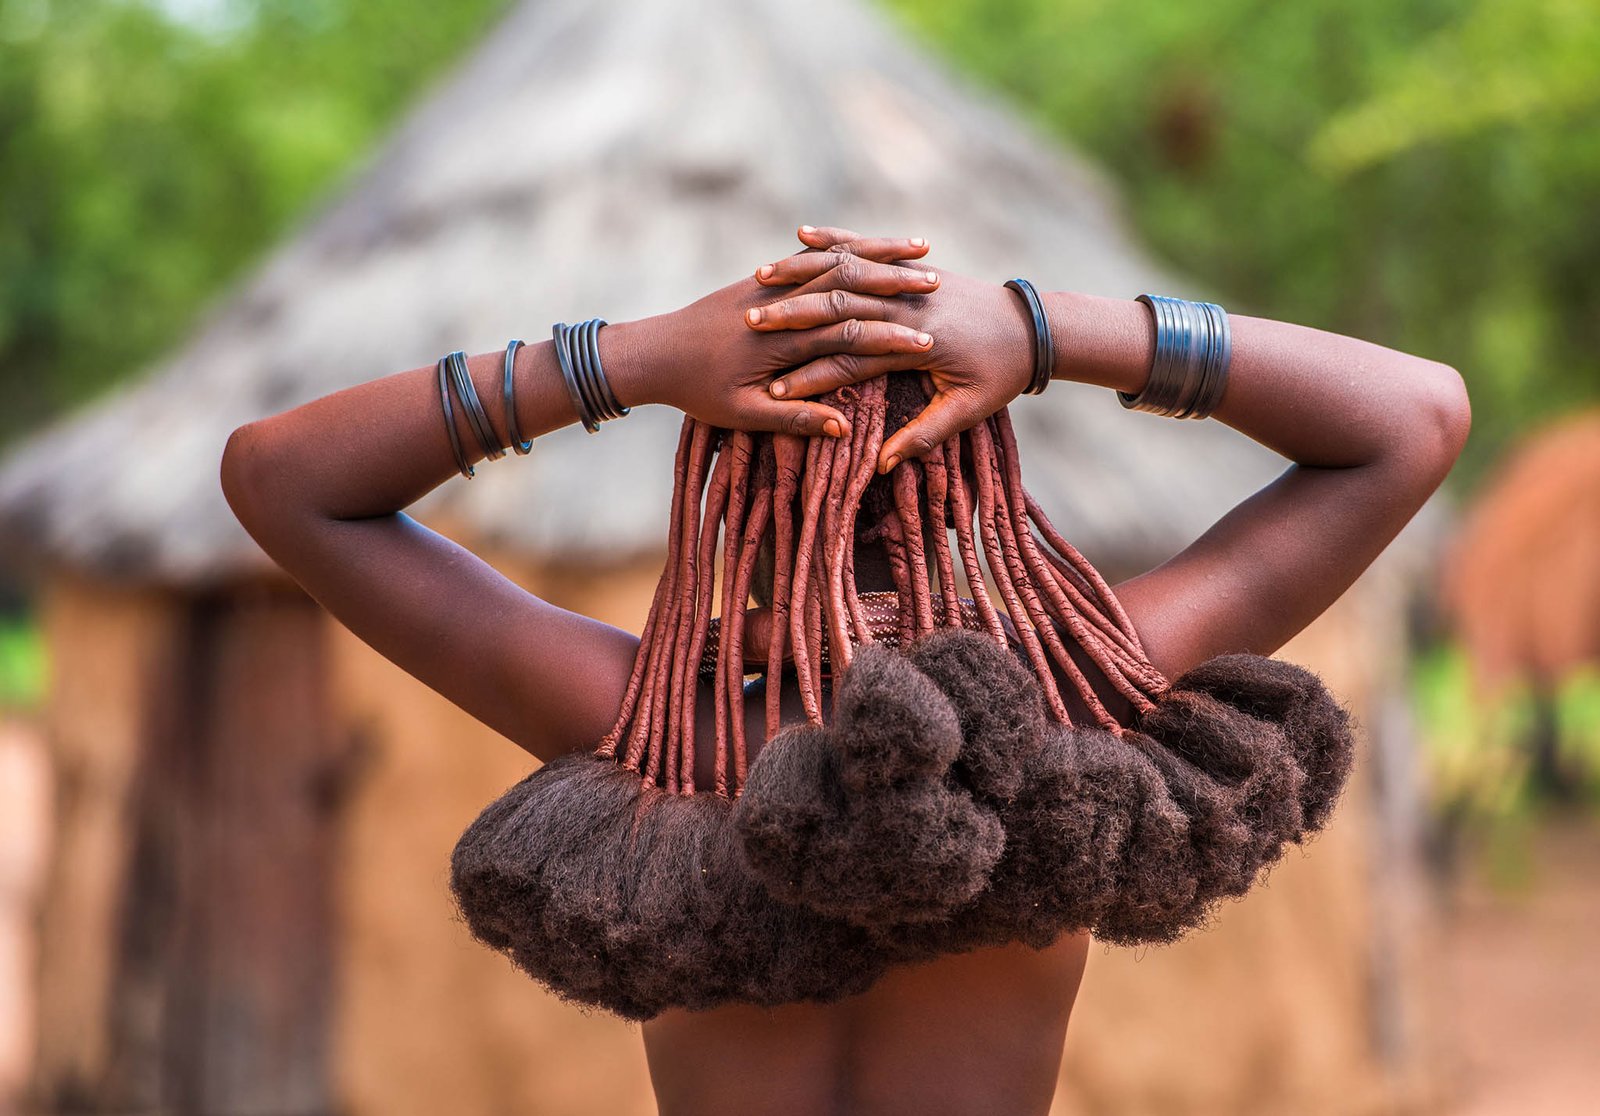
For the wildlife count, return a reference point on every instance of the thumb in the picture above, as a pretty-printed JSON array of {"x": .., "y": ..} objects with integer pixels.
[
  {"x": 946, "y": 414},
  {"x": 803, "y": 417}
]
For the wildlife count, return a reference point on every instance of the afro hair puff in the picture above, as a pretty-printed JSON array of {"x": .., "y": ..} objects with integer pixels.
[{"x": 939, "y": 811}]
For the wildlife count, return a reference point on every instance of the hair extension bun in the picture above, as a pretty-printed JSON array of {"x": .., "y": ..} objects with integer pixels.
[
  {"x": 893, "y": 726},
  {"x": 997, "y": 703},
  {"x": 1251, "y": 759},
  {"x": 1067, "y": 832},
  {"x": 861, "y": 820},
  {"x": 1318, "y": 728},
  {"x": 621, "y": 896}
]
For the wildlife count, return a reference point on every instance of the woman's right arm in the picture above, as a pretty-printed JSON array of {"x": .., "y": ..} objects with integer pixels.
[{"x": 322, "y": 489}]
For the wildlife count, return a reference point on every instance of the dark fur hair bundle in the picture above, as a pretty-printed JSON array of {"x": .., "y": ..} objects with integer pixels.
[{"x": 940, "y": 811}]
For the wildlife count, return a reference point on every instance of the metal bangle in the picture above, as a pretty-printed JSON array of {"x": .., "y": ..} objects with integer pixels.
[
  {"x": 477, "y": 417},
  {"x": 578, "y": 352},
  {"x": 1044, "y": 350},
  {"x": 1212, "y": 386},
  {"x": 558, "y": 334},
  {"x": 1189, "y": 369},
  {"x": 610, "y": 407},
  {"x": 509, "y": 398},
  {"x": 582, "y": 341},
  {"x": 450, "y": 418}
]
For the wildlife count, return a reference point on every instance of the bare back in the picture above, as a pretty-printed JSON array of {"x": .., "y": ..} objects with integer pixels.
[
  {"x": 981, "y": 1031},
  {"x": 975, "y": 1032}
]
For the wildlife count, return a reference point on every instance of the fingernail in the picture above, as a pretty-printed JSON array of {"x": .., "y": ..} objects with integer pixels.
[
  {"x": 753, "y": 315},
  {"x": 831, "y": 428},
  {"x": 765, "y": 271},
  {"x": 924, "y": 340},
  {"x": 894, "y": 459},
  {"x": 779, "y": 388},
  {"x": 933, "y": 276},
  {"x": 917, "y": 242},
  {"x": 808, "y": 228}
]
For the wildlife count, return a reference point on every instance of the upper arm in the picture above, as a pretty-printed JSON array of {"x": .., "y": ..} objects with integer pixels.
[
  {"x": 549, "y": 679},
  {"x": 1379, "y": 433},
  {"x": 1276, "y": 562}
]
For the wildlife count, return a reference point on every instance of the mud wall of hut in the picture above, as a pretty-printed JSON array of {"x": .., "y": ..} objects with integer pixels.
[{"x": 1309, "y": 996}]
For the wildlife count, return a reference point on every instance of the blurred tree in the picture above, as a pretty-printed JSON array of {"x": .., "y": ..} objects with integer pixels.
[
  {"x": 1420, "y": 172},
  {"x": 149, "y": 150}
]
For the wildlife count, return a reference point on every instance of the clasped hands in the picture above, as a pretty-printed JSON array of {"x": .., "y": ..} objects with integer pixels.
[{"x": 758, "y": 354}]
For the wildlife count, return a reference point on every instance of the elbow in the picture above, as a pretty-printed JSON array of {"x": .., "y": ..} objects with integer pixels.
[
  {"x": 1449, "y": 410},
  {"x": 246, "y": 473},
  {"x": 1441, "y": 419}
]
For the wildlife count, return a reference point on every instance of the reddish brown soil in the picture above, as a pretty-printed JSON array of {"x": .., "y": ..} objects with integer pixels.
[{"x": 1522, "y": 973}]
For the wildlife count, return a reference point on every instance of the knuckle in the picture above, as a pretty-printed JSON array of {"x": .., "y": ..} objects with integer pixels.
[
  {"x": 847, "y": 366},
  {"x": 851, "y": 331},
  {"x": 799, "y": 421},
  {"x": 847, "y": 272},
  {"x": 839, "y": 301}
]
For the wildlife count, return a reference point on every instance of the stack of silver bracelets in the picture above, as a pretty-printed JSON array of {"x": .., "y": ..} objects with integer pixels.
[
  {"x": 1190, "y": 369},
  {"x": 578, "y": 353}
]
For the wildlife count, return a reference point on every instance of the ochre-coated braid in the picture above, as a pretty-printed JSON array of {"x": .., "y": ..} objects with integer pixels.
[
  {"x": 717, "y": 500},
  {"x": 738, "y": 447},
  {"x": 908, "y": 505},
  {"x": 961, "y": 501},
  {"x": 983, "y": 467},
  {"x": 749, "y": 550},
  {"x": 653, "y": 650},
  {"x": 938, "y": 480},
  {"x": 830, "y": 555},
  {"x": 741, "y": 495},
  {"x": 819, "y": 464},
  {"x": 688, "y": 591},
  {"x": 789, "y": 452},
  {"x": 872, "y": 403}
]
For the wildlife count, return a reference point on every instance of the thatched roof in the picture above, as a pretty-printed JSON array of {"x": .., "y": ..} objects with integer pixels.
[{"x": 622, "y": 157}]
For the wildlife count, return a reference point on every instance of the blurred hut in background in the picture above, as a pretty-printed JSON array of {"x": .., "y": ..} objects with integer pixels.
[
  {"x": 247, "y": 908},
  {"x": 1523, "y": 582}
]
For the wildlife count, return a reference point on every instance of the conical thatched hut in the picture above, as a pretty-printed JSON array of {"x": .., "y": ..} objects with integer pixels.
[{"x": 249, "y": 910}]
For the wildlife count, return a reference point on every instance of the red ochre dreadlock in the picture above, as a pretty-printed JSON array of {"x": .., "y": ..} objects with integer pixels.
[
  {"x": 733, "y": 485},
  {"x": 949, "y": 802}
]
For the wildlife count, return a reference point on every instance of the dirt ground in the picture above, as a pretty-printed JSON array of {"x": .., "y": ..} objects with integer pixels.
[{"x": 1522, "y": 983}]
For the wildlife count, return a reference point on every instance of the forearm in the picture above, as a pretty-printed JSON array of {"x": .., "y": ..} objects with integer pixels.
[
  {"x": 378, "y": 447},
  {"x": 1320, "y": 399}
]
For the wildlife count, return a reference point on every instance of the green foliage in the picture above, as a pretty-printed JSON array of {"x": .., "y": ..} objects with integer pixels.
[
  {"x": 1421, "y": 172},
  {"x": 1478, "y": 754},
  {"x": 1417, "y": 172},
  {"x": 22, "y": 665},
  {"x": 148, "y": 158}
]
